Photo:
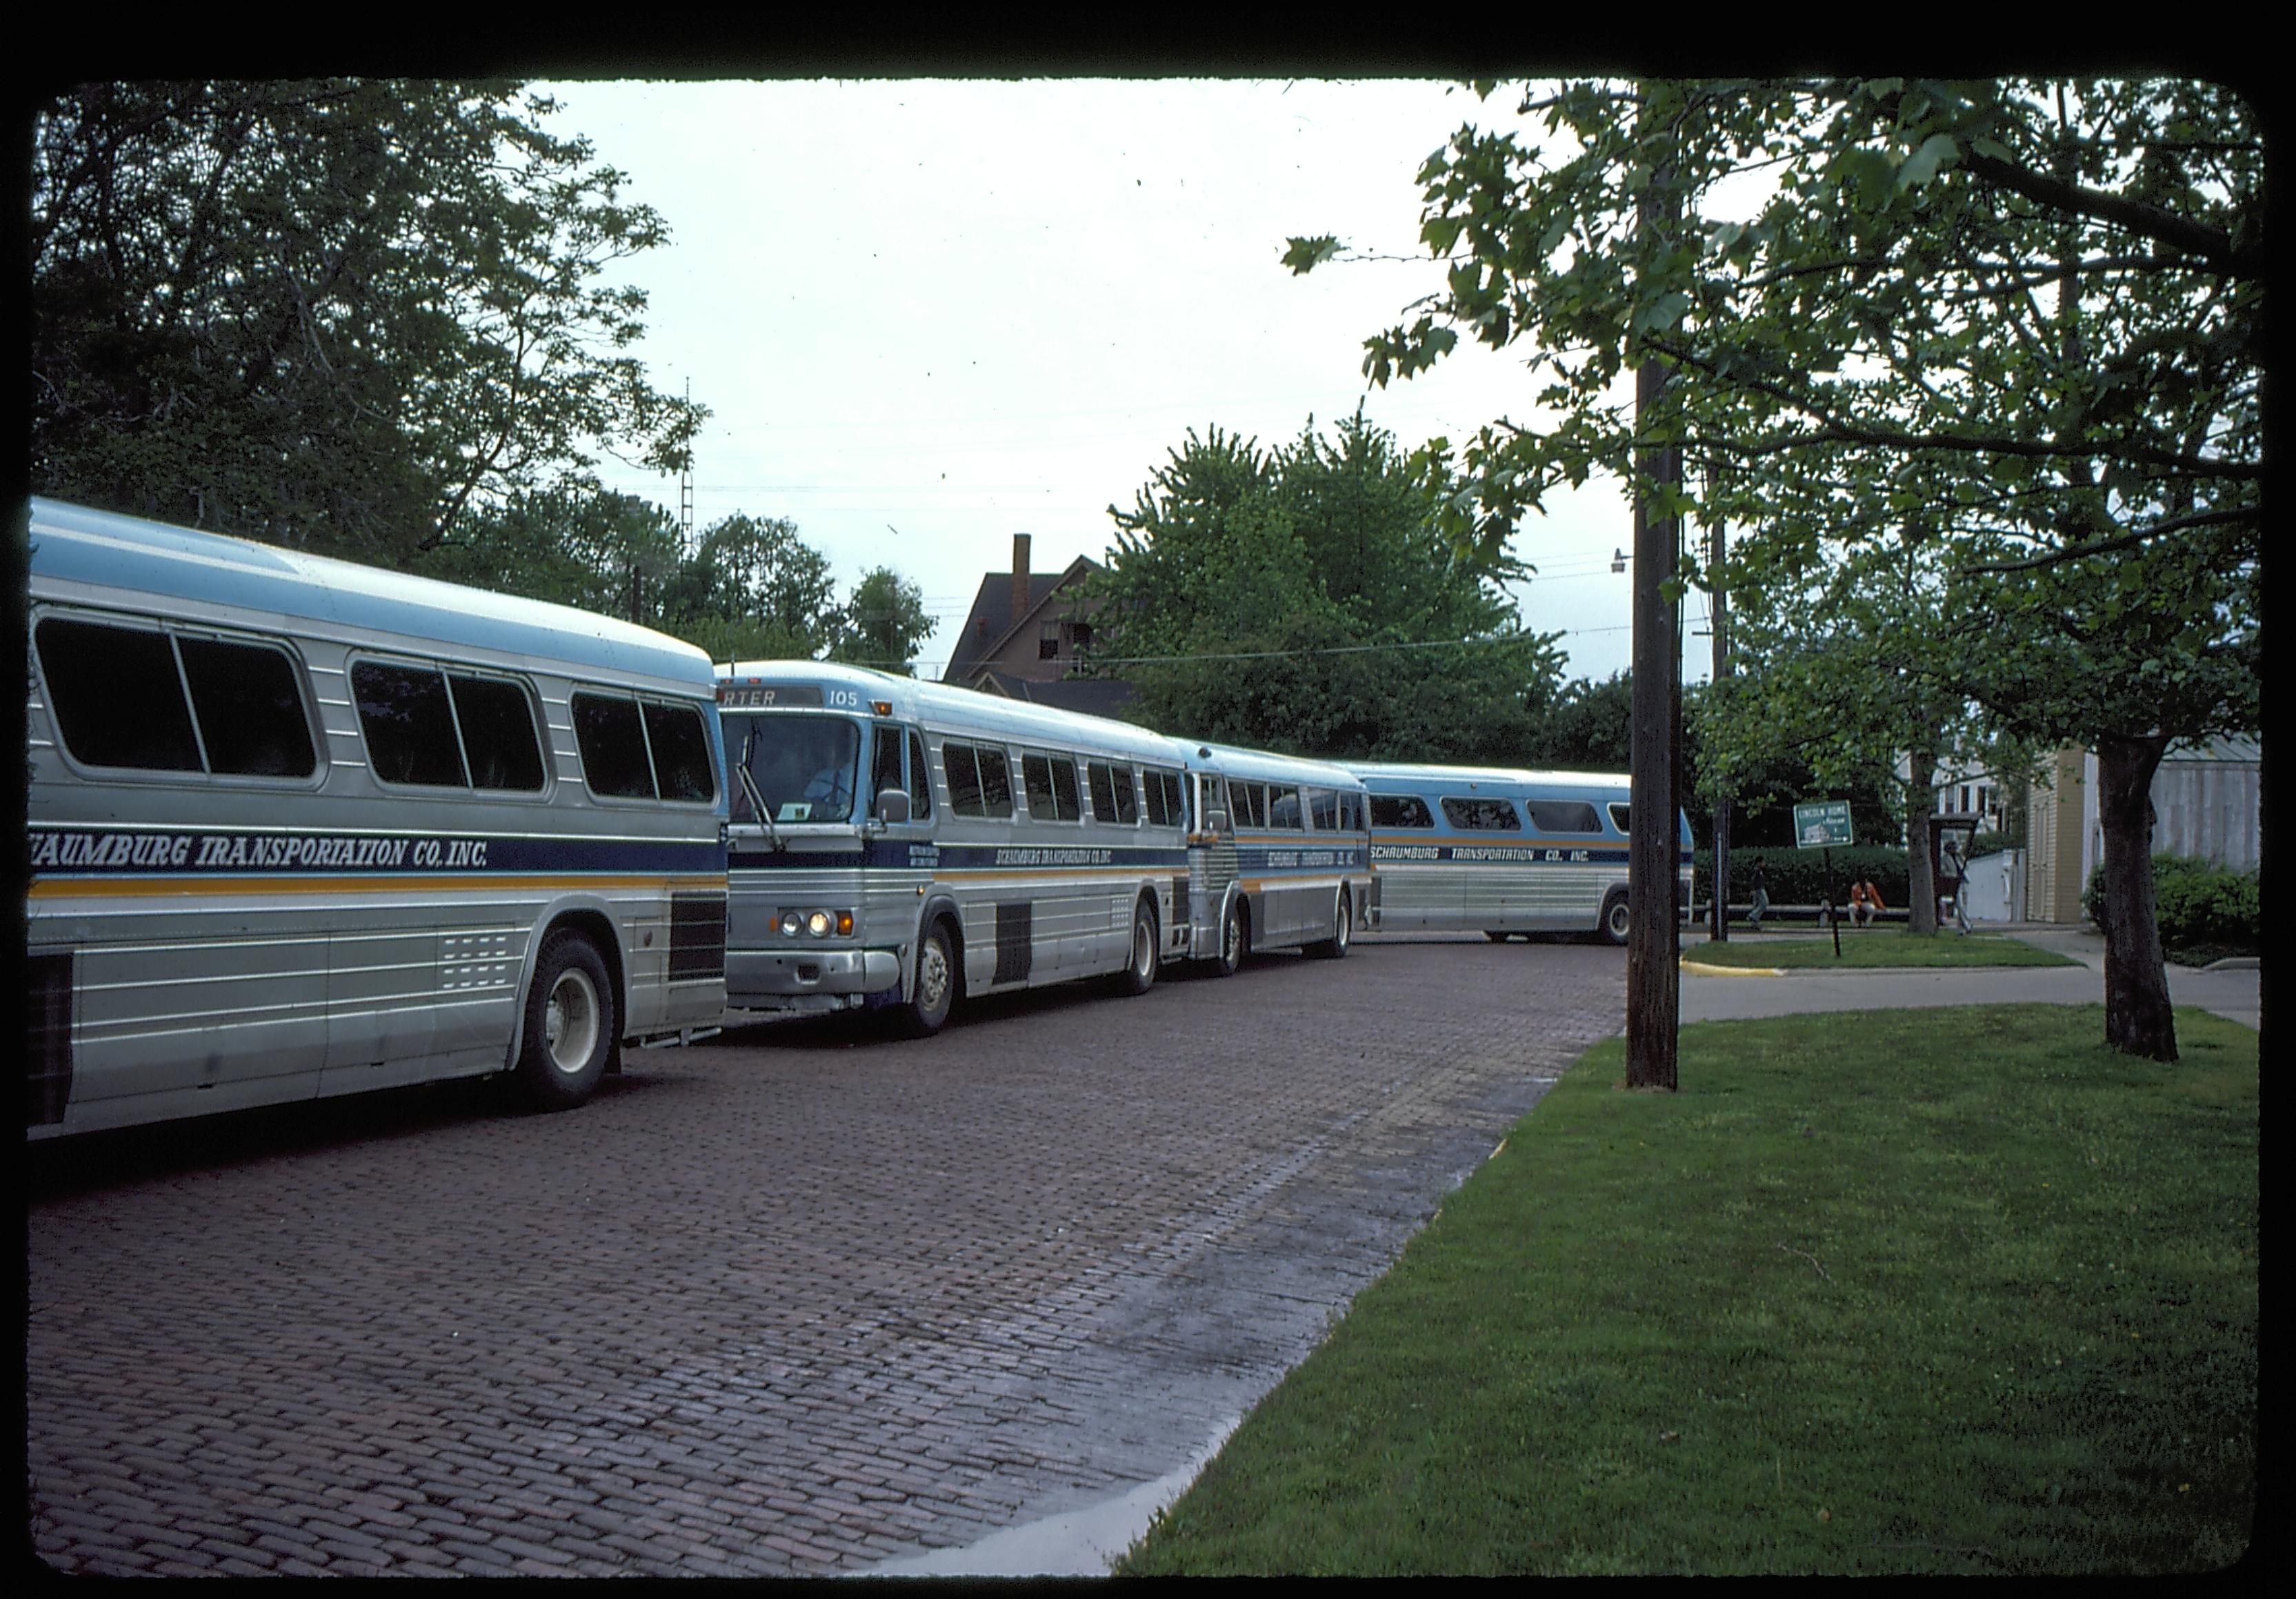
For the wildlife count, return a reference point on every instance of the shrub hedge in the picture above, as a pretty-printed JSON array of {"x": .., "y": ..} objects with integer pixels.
[
  {"x": 1797, "y": 876},
  {"x": 2202, "y": 908}
]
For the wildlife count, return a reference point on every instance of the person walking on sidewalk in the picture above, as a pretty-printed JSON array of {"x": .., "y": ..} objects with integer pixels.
[{"x": 1761, "y": 897}]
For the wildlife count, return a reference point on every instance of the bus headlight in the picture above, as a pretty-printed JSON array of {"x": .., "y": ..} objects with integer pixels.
[{"x": 813, "y": 924}]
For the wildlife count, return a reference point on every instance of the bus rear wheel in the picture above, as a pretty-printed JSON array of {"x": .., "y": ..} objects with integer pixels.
[
  {"x": 570, "y": 1030},
  {"x": 1139, "y": 973},
  {"x": 934, "y": 994},
  {"x": 1616, "y": 922}
]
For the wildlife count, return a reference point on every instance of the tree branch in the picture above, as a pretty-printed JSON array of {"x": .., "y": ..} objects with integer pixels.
[
  {"x": 2213, "y": 245},
  {"x": 2175, "y": 524}
]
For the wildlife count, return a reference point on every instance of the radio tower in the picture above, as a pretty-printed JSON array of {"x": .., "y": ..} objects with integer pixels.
[{"x": 686, "y": 496}]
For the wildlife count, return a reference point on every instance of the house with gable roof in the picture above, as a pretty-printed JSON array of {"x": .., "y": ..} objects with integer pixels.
[{"x": 1022, "y": 636}]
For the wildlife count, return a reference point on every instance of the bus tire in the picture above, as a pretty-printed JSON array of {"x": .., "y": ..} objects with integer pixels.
[
  {"x": 934, "y": 994},
  {"x": 1616, "y": 922},
  {"x": 1139, "y": 973},
  {"x": 1235, "y": 940},
  {"x": 1342, "y": 926},
  {"x": 570, "y": 1033},
  {"x": 1497, "y": 937}
]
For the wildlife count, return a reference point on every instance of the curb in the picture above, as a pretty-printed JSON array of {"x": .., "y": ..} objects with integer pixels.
[{"x": 1703, "y": 970}]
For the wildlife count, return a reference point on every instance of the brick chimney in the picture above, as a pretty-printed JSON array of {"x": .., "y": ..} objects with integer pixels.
[{"x": 1020, "y": 577}]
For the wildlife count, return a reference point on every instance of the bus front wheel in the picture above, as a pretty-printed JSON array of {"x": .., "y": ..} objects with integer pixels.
[
  {"x": 1342, "y": 926},
  {"x": 1235, "y": 940},
  {"x": 569, "y": 1024},
  {"x": 934, "y": 995}
]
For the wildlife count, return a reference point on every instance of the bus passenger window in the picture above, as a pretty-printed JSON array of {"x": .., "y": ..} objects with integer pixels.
[
  {"x": 1283, "y": 806},
  {"x": 1563, "y": 816},
  {"x": 249, "y": 709},
  {"x": 1051, "y": 782},
  {"x": 1112, "y": 796},
  {"x": 682, "y": 766},
  {"x": 963, "y": 773},
  {"x": 498, "y": 733},
  {"x": 1351, "y": 815},
  {"x": 920, "y": 781},
  {"x": 996, "y": 783},
  {"x": 409, "y": 726},
  {"x": 1251, "y": 804},
  {"x": 1619, "y": 815},
  {"x": 1160, "y": 813},
  {"x": 1400, "y": 810},
  {"x": 1482, "y": 814},
  {"x": 614, "y": 747},
  {"x": 115, "y": 696},
  {"x": 1175, "y": 800},
  {"x": 1324, "y": 809}
]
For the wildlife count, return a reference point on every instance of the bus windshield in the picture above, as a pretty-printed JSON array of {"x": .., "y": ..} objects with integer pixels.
[{"x": 804, "y": 766}]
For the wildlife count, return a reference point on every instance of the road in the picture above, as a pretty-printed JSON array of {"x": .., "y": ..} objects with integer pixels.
[{"x": 796, "y": 1301}]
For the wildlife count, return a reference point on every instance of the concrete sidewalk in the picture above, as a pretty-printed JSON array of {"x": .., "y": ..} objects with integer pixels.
[{"x": 2230, "y": 992}]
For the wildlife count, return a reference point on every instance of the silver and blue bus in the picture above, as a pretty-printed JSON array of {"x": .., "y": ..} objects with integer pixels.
[
  {"x": 1279, "y": 855},
  {"x": 901, "y": 845},
  {"x": 298, "y": 827},
  {"x": 1502, "y": 851}
]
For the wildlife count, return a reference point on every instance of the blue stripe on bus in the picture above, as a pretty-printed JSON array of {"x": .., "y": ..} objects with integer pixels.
[
  {"x": 204, "y": 852},
  {"x": 1423, "y": 853}
]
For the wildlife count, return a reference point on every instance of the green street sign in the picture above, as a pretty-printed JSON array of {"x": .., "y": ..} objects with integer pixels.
[{"x": 1822, "y": 824}]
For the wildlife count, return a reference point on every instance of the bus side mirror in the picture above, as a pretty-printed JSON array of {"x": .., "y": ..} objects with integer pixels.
[
  {"x": 1216, "y": 820},
  {"x": 892, "y": 806}
]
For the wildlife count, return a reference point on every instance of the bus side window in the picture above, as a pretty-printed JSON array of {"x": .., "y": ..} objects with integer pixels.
[
  {"x": 1483, "y": 814},
  {"x": 682, "y": 766},
  {"x": 249, "y": 709},
  {"x": 410, "y": 726},
  {"x": 1400, "y": 810},
  {"x": 498, "y": 734},
  {"x": 1128, "y": 799},
  {"x": 1283, "y": 806},
  {"x": 1324, "y": 809},
  {"x": 1561, "y": 815},
  {"x": 963, "y": 769},
  {"x": 115, "y": 696},
  {"x": 996, "y": 782},
  {"x": 1159, "y": 813},
  {"x": 920, "y": 780},
  {"x": 612, "y": 741}
]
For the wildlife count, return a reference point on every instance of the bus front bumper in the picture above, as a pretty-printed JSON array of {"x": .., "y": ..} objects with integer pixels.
[{"x": 767, "y": 981}]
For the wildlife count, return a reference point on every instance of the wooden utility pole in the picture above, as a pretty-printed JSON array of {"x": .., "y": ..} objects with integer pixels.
[
  {"x": 1653, "y": 952},
  {"x": 1720, "y": 914}
]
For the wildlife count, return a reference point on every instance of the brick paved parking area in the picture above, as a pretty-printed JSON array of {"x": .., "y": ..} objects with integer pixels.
[{"x": 790, "y": 1302}]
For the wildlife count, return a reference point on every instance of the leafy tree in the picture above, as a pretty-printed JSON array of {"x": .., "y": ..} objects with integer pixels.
[
  {"x": 1586, "y": 726},
  {"x": 2023, "y": 320},
  {"x": 345, "y": 314},
  {"x": 1300, "y": 599},
  {"x": 601, "y": 551},
  {"x": 883, "y": 622}
]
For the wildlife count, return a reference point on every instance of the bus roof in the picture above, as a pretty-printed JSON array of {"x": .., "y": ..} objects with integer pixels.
[
  {"x": 1611, "y": 784},
  {"x": 72, "y": 544},
  {"x": 1264, "y": 765},
  {"x": 949, "y": 704}
]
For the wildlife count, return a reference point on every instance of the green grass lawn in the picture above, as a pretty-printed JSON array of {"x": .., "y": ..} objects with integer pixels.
[
  {"x": 1903, "y": 1291},
  {"x": 1879, "y": 947}
]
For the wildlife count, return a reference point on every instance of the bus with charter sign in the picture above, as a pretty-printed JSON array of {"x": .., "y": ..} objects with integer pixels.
[
  {"x": 298, "y": 827},
  {"x": 900, "y": 846},
  {"x": 1503, "y": 852}
]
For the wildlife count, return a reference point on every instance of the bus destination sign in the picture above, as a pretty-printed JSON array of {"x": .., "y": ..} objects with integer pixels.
[{"x": 767, "y": 696}]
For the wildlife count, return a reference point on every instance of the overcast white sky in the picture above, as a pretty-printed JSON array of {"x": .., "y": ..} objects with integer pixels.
[{"x": 927, "y": 315}]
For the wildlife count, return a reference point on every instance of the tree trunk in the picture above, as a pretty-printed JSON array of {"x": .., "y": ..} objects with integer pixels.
[
  {"x": 2139, "y": 1019},
  {"x": 1921, "y": 879}
]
